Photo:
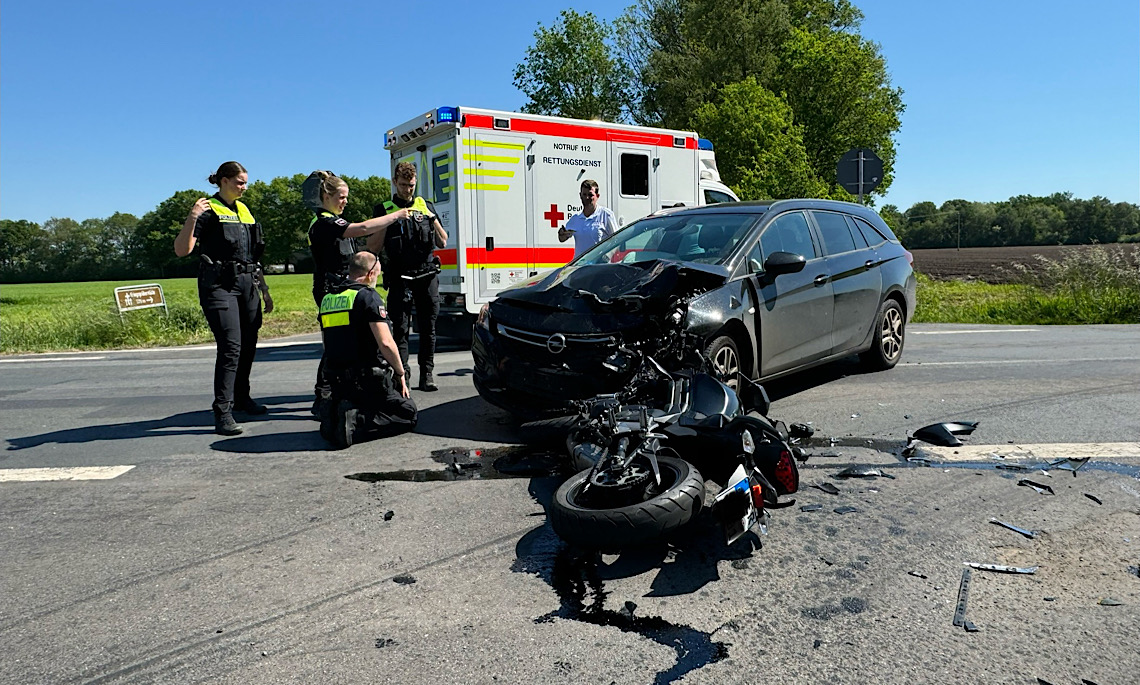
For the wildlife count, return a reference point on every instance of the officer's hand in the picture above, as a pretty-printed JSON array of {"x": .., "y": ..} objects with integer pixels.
[
  {"x": 401, "y": 214},
  {"x": 404, "y": 387},
  {"x": 199, "y": 207},
  {"x": 268, "y": 303}
]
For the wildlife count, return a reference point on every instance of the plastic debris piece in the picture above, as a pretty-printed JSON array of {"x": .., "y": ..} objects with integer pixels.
[
  {"x": 1027, "y": 533},
  {"x": 1029, "y": 570},
  {"x": 811, "y": 507},
  {"x": 1092, "y": 497},
  {"x": 388, "y": 515},
  {"x": 828, "y": 488},
  {"x": 921, "y": 461},
  {"x": 916, "y": 574},
  {"x": 859, "y": 471},
  {"x": 845, "y": 510},
  {"x": 1042, "y": 681},
  {"x": 1086, "y": 681},
  {"x": 1049, "y": 599},
  {"x": 971, "y": 628},
  {"x": 1073, "y": 464},
  {"x": 1041, "y": 489},
  {"x": 1109, "y": 602},
  {"x": 404, "y": 579},
  {"x": 1012, "y": 467},
  {"x": 963, "y": 597},
  {"x": 943, "y": 434}
]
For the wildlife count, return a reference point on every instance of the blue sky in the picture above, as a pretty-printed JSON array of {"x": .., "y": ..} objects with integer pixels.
[{"x": 113, "y": 105}]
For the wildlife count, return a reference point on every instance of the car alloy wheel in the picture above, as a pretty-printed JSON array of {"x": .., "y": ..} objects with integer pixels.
[
  {"x": 891, "y": 337},
  {"x": 725, "y": 359}
]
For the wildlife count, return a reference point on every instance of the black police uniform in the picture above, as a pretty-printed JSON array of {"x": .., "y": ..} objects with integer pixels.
[
  {"x": 231, "y": 244},
  {"x": 411, "y": 274},
  {"x": 357, "y": 370},
  {"x": 331, "y": 254}
]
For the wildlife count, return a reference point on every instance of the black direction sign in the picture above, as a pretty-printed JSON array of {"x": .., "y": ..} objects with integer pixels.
[{"x": 859, "y": 171}]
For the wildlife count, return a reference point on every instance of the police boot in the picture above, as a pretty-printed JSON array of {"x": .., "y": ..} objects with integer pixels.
[
  {"x": 344, "y": 424},
  {"x": 224, "y": 424},
  {"x": 427, "y": 383},
  {"x": 250, "y": 406}
]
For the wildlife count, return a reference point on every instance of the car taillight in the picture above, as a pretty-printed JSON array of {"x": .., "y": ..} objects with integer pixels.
[{"x": 786, "y": 473}]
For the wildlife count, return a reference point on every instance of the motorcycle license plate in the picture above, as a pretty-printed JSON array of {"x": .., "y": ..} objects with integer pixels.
[{"x": 735, "y": 509}]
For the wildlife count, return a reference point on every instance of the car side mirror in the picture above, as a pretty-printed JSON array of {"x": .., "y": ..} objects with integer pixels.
[
  {"x": 752, "y": 395},
  {"x": 783, "y": 263}
]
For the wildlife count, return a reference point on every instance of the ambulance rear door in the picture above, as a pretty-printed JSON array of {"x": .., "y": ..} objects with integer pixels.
[
  {"x": 633, "y": 178},
  {"x": 558, "y": 165},
  {"x": 435, "y": 160},
  {"x": 494, "y": 177}
]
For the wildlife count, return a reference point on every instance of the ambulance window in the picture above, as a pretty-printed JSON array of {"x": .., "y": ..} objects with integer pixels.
[
  {"x": 713, "y": 197},
  {"x": 634, "y": 175},
  {"x": 441, "y": 177}
]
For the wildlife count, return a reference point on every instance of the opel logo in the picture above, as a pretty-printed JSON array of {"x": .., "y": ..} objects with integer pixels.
[{"x": 556, "y": 343}]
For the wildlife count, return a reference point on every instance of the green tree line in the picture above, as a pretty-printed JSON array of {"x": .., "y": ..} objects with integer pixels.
[
  {"x": 123, "y": 246},
  {"x": 1058, "y": 219},
  {"x": 782, "y": 88}
]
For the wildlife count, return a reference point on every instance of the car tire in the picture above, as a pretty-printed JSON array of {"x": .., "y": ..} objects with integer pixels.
[
  {"x": 725, "y": 358},
  {"x": 633, "y": 525},
  {"x": 888, "y": 338}
]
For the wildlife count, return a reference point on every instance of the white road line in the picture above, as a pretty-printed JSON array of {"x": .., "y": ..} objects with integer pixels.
[
  {"x": 1032, "y": 451},
  {"x": 65, "y": 473},
  {"x": 1023, "y": 361},
  {"x": 964, "y": 331},
  {"x": 50, "y": 359}
]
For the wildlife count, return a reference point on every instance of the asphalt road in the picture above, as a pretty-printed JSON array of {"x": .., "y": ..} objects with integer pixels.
[{"x": 254, "y": 559}]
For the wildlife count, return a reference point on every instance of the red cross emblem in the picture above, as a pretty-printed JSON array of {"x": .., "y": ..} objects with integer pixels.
[{"x": 554, "y": 216}]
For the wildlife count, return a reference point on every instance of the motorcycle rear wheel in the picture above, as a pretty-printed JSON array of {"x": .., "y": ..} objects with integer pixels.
[{"x": 683, "y": 491}]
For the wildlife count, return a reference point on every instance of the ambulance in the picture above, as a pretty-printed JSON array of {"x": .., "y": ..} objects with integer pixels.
[{"x": 504, "y": 182}]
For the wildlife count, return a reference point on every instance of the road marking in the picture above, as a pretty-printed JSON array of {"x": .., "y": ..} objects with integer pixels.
[
  {"x": 966, "y": 331},
  {"x": 1023, "y": 361},
  {"x": 50, "y": 359},
  {"x": 65, "y": 473},
  {"x": 1033, "y": 451}
]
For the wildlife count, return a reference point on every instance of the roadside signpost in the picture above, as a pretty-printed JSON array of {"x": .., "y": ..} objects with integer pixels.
[
  {"x": 131, "y": 297},
  {"x": 859, "y": 171}
]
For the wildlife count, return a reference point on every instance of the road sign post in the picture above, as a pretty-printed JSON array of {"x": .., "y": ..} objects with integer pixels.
[{"x": 859, "y": 171}]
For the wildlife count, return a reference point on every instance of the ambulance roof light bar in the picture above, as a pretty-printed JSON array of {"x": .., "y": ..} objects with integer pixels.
[{"x": 447, "y": 115}]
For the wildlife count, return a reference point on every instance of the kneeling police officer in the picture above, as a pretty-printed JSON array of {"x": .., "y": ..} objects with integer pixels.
[{"x": 369, "y": 392}]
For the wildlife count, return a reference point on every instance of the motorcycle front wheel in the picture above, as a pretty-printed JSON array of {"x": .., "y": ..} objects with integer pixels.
[{"x": 612, "y": 529}]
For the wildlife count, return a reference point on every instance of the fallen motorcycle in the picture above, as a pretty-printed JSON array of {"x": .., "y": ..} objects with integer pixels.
[{"x": 644, "y": 454}]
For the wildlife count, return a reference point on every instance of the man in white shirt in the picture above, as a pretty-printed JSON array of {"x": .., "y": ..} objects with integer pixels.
[{"x": 594, "y": 224}]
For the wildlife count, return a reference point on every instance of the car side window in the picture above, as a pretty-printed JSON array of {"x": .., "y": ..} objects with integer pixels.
[
  {"x": 873, "y": 235},
  {"x": 788, "y": 233},
  {"x": 860, "y": 239},
  {"x": 833, "y": 229}
]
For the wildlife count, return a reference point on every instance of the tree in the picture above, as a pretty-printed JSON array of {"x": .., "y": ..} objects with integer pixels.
[
  {"x": 283, "y": 216},
  {"x": 572, "y": 70},
  {"x": 760, "y": 151},
  {"x": 23, "y": 251},
  {"x": 364, "y": 194}
]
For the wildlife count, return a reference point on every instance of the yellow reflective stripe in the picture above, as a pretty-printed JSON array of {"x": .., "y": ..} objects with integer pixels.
[
  {"x": 490, "y": 158},
  {"x": 489, "y": 172},
  {"x": 488, "y": 143},
  {"x": 484, "y": 186},
  {"x": 443, "y": 162},
  {"x": 448, "y": 189},
  {"x": 334, "y": 319},
  {"x": 445, "y": 175},
  {"x": 437, "y": 148},
  {"x": 445, "y": 267},
  {"x": 406, "y": 158}
]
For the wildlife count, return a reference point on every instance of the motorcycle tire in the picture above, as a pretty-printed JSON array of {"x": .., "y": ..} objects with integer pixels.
[{"x": 637, "y": 524}]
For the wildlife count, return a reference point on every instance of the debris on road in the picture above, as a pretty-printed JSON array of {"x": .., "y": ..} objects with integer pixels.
[
  {"x": 845, "y": 510},
  {"x": 916, "y": 574},
  {"x": 1092, "y": 497},
  {"x": 1109, "y": 602},
  {"x": 1012, "y": 467},
  {"x": 827, "y": 487},
  {"x": 940, "y": 434},
  {"x": 963, "y": 596},
  {"x": 1073, "y": 464},
  {"x": 971, "y": 628},
  {"x": 1002, "y": 569},
  {"x": 388, "y": 515},
  {"x": 404, "y": 579},
  {"x": 1027, "y": 533},
  {"x": 1041, "y": 489},
  {"x": 859, "y": 471},
  {"x": 811, "y": 507}
]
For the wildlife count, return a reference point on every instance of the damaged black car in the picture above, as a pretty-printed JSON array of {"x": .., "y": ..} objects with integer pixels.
[{"x": 768, "y": 288}]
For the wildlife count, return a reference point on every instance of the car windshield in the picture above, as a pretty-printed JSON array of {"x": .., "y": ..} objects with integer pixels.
[{"x": 707, "y": 238}]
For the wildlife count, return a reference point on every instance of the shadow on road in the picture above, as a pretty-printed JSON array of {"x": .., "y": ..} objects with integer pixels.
[
  {"x": 468, "y": 419},
  {"x": 812, "y": 378},
  {"x": 186, "y": 423}
]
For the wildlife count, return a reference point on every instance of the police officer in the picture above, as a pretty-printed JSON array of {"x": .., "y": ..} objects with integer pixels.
[
  {"x": 331, "y": 241},
  {"x": 230, "y": 282},
  {"x": 411, "y": 269},
  {"x": 368, "y": 384}
]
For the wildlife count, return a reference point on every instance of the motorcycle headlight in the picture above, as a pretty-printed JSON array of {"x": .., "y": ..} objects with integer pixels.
[
  {"x": 484, "y": 319},
  {"x": 748, "y": 444}
]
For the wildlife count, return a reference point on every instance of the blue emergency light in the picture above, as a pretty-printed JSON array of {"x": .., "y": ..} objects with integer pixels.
[
  {"x": 704, "y": 144},
  {"x": 446, "y": 114}
]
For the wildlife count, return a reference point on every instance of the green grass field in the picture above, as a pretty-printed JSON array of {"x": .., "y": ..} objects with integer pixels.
[{"x": 1089, "y": 287}]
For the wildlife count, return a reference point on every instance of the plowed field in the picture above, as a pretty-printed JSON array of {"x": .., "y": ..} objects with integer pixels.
[{"x": 992, "y": 264}]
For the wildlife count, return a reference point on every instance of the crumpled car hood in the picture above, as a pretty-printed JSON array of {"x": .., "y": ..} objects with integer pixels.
[{"x": 612, "y": 296}]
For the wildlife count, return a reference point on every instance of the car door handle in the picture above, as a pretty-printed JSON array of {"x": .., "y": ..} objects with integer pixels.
[
  {"x": 871, "y": 264},
  {"x": 820, "y": 280}
]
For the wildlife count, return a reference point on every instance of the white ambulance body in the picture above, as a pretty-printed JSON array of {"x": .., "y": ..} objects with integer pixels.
[{"x": 504, "y": 182}]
